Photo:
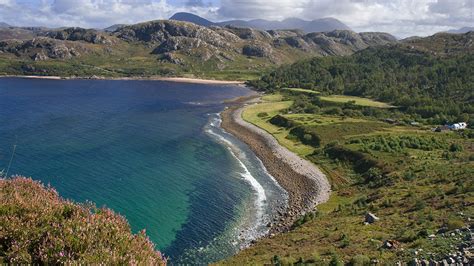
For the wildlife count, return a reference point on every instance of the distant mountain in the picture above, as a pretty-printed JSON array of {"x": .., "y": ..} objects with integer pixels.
[
  {"x": 4, "y": 25},
  {"x": 188, "y": 17},
  {"x": 461, "y": 30},
  {"x": 114, "y": 27},
  {"x": 317, "y": 25}
]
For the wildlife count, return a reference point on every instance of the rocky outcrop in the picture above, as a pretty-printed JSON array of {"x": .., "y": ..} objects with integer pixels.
[
  {"x": 178, "y": 43},
  {"x": 80, "y": 34},
  {"x": 257, "y": 50},
  {"x": 43, "y": 48}
]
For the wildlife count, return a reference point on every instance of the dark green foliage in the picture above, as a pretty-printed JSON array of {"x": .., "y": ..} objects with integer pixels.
[
  {"x": 305, "y": 218},
  {"x": 359, "y": 260},
  {"x": 262, "y": 114},
  {"x": 362, "y": 162},
  {"x": 336, "y": 261},
  {"x": 420, "y": 83},
  {"x": 282, "y": 121},
  {"x": 396, "y": 144},
  {"x": 455, "y": 147},
  {"x": 306, "y": 135}
]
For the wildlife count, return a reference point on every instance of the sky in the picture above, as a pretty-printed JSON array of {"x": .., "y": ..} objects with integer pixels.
[{"x": 401, "y": 18}]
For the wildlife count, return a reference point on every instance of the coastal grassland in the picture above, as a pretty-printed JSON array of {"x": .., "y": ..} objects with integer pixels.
[
  {"x": 357, "y": 101},
  {"x": 418, "y": 182},
  {"x": 259, "y": 115},
  {"x": 302, "y": 90},
  {"x": 39, "y": 227}
]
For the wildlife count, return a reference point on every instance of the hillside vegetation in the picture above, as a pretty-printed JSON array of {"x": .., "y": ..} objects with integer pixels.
[
  {"x": 39, "y": 227},
  {"x": 416, "y": 181},
  {"x": 373, "y": 122},
  {"x": 169, "y": 48},
  {"x": 421, "y": 84}
]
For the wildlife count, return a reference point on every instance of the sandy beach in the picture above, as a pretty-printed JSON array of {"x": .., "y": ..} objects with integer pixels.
[
  {"x": 306, "y": 185},
  {"x": 170, "y": 79}
]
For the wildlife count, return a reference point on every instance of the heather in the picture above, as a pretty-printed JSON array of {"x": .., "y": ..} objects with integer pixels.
[{"x": 38, "y": 226}]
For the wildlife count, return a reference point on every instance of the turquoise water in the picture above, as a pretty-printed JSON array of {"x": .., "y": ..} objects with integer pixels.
[{"x": 152, "y": 151}]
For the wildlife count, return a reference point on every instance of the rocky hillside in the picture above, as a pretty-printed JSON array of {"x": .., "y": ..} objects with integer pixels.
[
  {"x": 443, "y": 44},
  {"x": 171, "y": 47},
  {"x": 39, "y": 227}
]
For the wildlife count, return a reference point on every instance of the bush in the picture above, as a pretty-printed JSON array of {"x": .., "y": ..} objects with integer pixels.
[
  {"x": 359, "y": 260},
  {"x": 262, "y": 114},
  {"x": 282, "y": 121},
  {"x": 336, "y": 261},
  {"x": 39, "y": 227},
  {"x": 361, "y": 161},
  {"x": 306, "y": 136},
  {"x": 454, "y": 147},
  {"x": 454, "y": 223}
]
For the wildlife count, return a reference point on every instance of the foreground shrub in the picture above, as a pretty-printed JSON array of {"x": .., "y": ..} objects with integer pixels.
[{"x": 39, "y": 227}]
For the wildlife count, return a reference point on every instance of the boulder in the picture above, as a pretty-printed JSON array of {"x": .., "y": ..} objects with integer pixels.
[
  {"x": 371, "y": 218},
  {"x": 257, "y": 50}
]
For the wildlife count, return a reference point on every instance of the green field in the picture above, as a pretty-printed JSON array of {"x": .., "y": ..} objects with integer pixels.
[
  {"x": 419, "y": 184},
  {"x": 357, "y": 101},
  {"x": 302, "y": 90}
]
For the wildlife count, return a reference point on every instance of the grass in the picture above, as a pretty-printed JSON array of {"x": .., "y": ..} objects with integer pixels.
[
  {"x": 358, "y": 101},
  {"x": 425, "y": 188},
  {"x": 253, "y": 114},
  {"x": 302, "y": 90}
]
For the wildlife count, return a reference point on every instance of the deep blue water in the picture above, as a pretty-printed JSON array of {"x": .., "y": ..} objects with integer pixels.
[{"x": 150, "y": 150}]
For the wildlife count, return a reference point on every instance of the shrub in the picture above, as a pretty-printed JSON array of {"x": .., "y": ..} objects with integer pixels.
[
  {"x": 454, "y": 147},
  {"x": 359, "y": 260},
  {"x": 307, "y": 136},
  {"x": 39, "y": 227},
  {"x": 281, "y": 121},
  {"x": 335, "y": 261},
  {"x": 262, "y": 114},
  {"x": 454, "y": 223},
  {"x": 361, "y": 161}
]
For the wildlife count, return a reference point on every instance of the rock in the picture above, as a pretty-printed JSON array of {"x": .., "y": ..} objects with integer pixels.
[
  {"x": 40, "y": 57},
  {"x": 171, "y": 58},
  {"x": 371, "y": 218},
  {"x": 257, "y": 50},
  {"x": 391, "y": 244}
]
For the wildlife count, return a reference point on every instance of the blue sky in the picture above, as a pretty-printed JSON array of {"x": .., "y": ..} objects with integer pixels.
[{"x": 399, "y": 17}]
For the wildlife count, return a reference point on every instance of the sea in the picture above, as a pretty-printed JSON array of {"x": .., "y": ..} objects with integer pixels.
[{"x": 153, "y": 151}]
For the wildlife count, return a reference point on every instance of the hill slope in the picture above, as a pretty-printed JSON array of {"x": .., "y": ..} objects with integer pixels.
[
  {"x": 425, "y": 85},
  {"x": 169, "y": 47},
  {"x": 39, "y": 227},
  {"x": 188, "y": 17}
]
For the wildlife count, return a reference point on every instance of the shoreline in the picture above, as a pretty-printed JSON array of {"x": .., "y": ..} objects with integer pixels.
[
  {"x": 157, "y": 78},
  {"x": 305, "y": 184}
]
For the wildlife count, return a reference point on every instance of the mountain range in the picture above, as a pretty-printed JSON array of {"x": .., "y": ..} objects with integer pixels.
[
  {"x": 317, "y": 25},
  {"x": 176, "y": 48},
  {"x": 461, "y": 30}
]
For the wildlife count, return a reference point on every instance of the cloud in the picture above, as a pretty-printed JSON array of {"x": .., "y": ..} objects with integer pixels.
[
  {"x": 195, "y": 3},
  {"x": 250, "y": 9},
  {"x": 400, "y": 17}
]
